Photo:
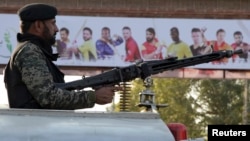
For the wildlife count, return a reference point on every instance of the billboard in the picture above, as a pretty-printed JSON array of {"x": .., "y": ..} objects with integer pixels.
[{"x": 106, "y": 42}]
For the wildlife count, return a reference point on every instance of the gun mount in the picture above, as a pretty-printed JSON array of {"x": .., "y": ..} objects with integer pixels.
[{"x": 147, "y": 98}]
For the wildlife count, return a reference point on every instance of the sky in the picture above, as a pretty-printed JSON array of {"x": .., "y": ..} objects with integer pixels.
[{"x": 96, "y": 108}]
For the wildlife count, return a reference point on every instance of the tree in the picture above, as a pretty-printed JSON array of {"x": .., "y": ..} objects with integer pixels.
[
  {"x": 220, "y": 101},
  {"x": 193, "y": 102}
]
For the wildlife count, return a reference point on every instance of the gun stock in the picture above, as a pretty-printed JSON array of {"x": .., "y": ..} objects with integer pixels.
[{"x": 143, "y": 70}]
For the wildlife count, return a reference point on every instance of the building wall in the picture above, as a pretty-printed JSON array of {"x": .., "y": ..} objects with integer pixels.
[{"x": 143, "y": 8}]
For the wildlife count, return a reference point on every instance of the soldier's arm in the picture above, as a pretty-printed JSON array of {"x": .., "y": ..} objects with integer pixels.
[{"x": 35, "y": 74}]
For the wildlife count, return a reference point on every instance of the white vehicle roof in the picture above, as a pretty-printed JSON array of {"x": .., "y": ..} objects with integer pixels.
[{"x": 64, "y": 125}]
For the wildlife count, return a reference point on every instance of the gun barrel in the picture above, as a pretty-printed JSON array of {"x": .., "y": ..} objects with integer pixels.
[
  {"x": 238, "y": 51},
  {"x": 164, "y": 65}
]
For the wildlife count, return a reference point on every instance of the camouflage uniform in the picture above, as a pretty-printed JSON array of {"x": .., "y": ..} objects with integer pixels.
[{"x": 31, "y": 62}]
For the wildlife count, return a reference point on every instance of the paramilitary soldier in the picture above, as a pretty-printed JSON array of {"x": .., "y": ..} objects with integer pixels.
[{"x": 30, "y": 73}]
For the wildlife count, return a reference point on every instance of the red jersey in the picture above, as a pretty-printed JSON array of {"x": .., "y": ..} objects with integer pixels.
[
  {"x": 218, "y": 47},
  {"x": 132, "y": 50},
  {"x": 150, "y": 48}
]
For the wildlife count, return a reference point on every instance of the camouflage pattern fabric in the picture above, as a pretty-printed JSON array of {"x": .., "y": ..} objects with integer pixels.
[{"x": 31, "y": 63}]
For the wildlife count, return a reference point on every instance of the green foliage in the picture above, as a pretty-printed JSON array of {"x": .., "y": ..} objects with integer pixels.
[
  {"x": 220, "y": 101},
  {"x": 194, "y": 103},
  {"x": 175, "y": 93}
]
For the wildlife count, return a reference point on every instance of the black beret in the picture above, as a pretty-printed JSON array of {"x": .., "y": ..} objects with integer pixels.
[{"x": 37, "y": 11}]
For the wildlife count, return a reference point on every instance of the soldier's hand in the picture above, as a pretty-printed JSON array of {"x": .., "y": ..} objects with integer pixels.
[{"x": 105, "y": 94}]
